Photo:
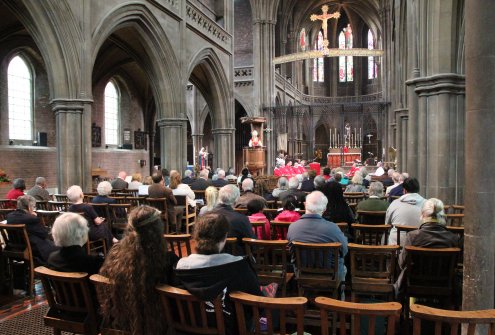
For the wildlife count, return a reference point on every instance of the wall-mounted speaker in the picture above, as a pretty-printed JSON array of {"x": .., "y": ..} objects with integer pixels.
[{"x": 42, "y": 139}]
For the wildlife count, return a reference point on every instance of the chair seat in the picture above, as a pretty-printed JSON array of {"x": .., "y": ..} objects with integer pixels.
[
  {"x": 414, "y": 291},
  {"x": 74, "y": 322}
]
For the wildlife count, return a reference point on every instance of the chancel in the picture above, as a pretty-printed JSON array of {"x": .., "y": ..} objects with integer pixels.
[{"x": 176, "y": 104}]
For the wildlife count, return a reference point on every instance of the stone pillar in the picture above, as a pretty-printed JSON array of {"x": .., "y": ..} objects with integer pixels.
[
  {"x": 223, "y": 140},
  {"x": 73, "y": 144},
  {"x": 173, "y": 143},
  {"x": 197, "y": 144},
  {"x": 151, "y": 149},
  {"x": 479, "y": 222}
]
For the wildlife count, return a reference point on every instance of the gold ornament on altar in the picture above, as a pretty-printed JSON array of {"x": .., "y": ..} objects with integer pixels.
[{"x": 327, "y": 52}]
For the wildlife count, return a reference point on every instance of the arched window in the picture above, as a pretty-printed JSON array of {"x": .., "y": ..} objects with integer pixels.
[
  {"x": 372, "y": 68},
  {"x": 346, "y": 68},
  {"x": 20, "y": 96},
  {"x": 318, "y": 73},
  {"x": 112, "y": 113}
]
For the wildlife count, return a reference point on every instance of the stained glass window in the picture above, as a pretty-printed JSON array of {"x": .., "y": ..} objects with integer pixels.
[
  {"x": 318, "y": 68},
  {"x": 346, "y": 68},
  {"x": 112, "y": 111},
  {"x": 372, "y": 66},
  {"x": 20, "y": 100}
]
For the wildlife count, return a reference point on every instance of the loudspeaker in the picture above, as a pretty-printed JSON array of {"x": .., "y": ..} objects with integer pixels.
[
  {"x": 42, "y": 139},
  {"x": 127, "y": 146}
]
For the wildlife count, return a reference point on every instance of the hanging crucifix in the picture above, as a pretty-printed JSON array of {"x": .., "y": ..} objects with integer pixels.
[{"x": 324, "y": 18}]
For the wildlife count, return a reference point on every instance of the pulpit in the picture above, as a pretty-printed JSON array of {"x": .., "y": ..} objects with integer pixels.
[{"x": 254, "y": 156}]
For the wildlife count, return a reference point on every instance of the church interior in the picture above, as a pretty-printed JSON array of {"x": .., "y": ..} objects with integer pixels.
[{"x": 91, "y": 88}]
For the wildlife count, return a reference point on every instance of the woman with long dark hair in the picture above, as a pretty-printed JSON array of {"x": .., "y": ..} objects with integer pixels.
[
  {"x": 337, "y": 209},
  {"x": 135, "y": 266}
]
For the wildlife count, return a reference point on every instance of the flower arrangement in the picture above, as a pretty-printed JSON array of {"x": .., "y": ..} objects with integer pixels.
[{"x": 4, "y": 178}]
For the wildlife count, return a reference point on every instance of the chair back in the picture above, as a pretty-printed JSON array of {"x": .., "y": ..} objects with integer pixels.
[
  {"x": 72, "y": 307},
  {"x": 186, "y": 313},
  {"x": 402, "y": 231},
  {"x": 118, "y": 214},
  {"x": 280, "y": 229},
  {"x": 161, "y": 205},
  {"x": 179, "y": 244},
  {"x": 270, "y": 260},
  {"x": 42, "y": 205},
  {"x": 47, "y": 218},
  {"x": 452, "y": 320},
  {"x": 61, "y": 206},
  {"x": 259, "y": 227},
  {"x": 371, "y": 217},
  {"x": 457, "y": 209},
  {"x": 455, "y": 220},
  {"x": 7, "y": 203},
  {"x": 199, "y": 194},
  {"x": 430, "y": 271},
  {"x": 61, "y": 197},
  {"x": 135, "y": 201},
  {"x": 4, "y": 212},
  {"x": 351, "y": 313},
  {"x": 241, "y": 210},
  {"x": 370, "y": 234},
  {"x": 354, "y": 197},
  {"x": 17, "y": 247},
  {"x": 272, "y": 204},
  {"x": 271, "y": 213},
  {"x": 281, "y": 308},
  {"x": 231, "y": 246},
  {"x": 373, "y": 269},
  {"x": 317, "y": 266},
  {"x": 103, "y": 210},
  {"x": 189, "y": 214}
]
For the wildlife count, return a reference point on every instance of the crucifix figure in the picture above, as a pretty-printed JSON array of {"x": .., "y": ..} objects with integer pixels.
[{"x": 324, "y": 18}]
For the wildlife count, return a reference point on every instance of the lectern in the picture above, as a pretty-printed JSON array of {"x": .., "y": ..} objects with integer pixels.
[{"x": 254, "y": 157}]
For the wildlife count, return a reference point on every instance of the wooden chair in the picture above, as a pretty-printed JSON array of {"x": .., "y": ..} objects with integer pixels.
[
  {"x": 317, "y": 267},
  {"x": 403, "y": 230},
  {"x": 354, "y": 197},
  {"x": 61, "y": 197},
  {"x": 118, "y": 214},
  {"x": 455, "y": 220},
  {"x": 454, "y": 319},
  {"x": 42, "y": 205},
  {"x": 271, "y": 261},
  {"x": 279, "y": 229},
  {"x": 430, "y": 274},
  {"x": 344, "y": 310},
  {"x": 373, "y": 270},
  {"x": 178, "y": 242},
  {"x": 371, "y": 217},
  {"x": 456, "y": 230},
  {"x": 47, "y": 218},
  {"x": 18, "y": 248},
  {"x": 199, "y": 195},
  {"x": 72, "y": 307},
  {"x": 231, "y": 246},
  {"x": 457, "y": 209},
  {"x": 283, "y": 308},
  {"x": 186, "y": 313},
  {"x": 370, "y": 234},
  {"x": 271, "y": 213},
  {"x": 96, "y": 247},
  {"x": 241, "y": 210},
  {"x": 161, "y": 205},
  {"x": 272, "y": 204},
  {"x": 4, "y": 212},
  {"x": 259, "y": 226},
  {"x": 189, "y": 214},
  {"x": 7, "y": 204},
  {"x": 135, "y": 201},
  {"x": 103, "y": 210},
  {"x": 61, "y": 206}
]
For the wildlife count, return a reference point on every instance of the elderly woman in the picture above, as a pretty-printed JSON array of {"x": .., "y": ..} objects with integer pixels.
[
  {"x": 208, "y": 273},
  {"x": 38, "y": 234},
  {"x": 70, "y": 232},
  {"x": 211, "y": 196},
  {"x": 104, "y": 189},
  {"x": 282, "y": 186},
  {"x": 356, "y": 184},
  {"x": 97, "y": 227},
  {"x": 136, "y": 181},
  {"x": 18, "y": 187},
  {"x": 136, "y": 265}
]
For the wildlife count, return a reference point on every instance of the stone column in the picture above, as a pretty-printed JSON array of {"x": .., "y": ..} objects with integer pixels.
[
  {"x": 151, "y": 149},
  {"x": 479, "y": 222},
  {"x": 173, "y": 143},
  {"x": 73, "y": 144},
  {"x": 223, "y": 140}
]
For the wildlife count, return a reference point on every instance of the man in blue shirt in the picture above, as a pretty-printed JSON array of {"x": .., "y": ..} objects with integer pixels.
[{"x": 313, "y": 228}]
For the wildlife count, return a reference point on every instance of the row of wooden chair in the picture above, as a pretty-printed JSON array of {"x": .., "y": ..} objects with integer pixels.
[{"x": 73, "y": 309}]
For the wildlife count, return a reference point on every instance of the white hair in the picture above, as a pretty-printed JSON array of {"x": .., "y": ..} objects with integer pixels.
[
  {"x": 74, "y": 193},
  {"x": 433, "y": 208},
  {"x": 104, "y": 188},
  {"x": 316, "y": 203},
  {"x": 188, "y": 173},
  {"x": 293, "y": 182},
  {"x": 221, "y": 174},
  {"x": 282, "y": 183},
  {"x": 376, "y": 189},
  {"x": 357, "y": 179},
  {"x": 228, "y": 194},
  {"x": 70, "y": 229},
  {"x": 247, "y": 184},
  {"x": 204, "y": 174},
  {"x": 390, "y": 172},
  {"x": 40, "y": 181}
]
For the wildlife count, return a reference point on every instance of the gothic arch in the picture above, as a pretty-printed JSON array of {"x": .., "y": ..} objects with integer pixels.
[
  {"x": 248, "y": 107},
  {"x": 158, "y": 60},
  {"x": 208, "y": 75}
]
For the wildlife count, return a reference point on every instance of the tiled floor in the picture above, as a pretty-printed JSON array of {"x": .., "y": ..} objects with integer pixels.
[{"x": 15, "y": 305}]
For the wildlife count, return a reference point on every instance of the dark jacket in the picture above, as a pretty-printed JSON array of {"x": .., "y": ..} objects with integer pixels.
[
  {"x": 308, "y": 185},
  {"x": 41, "y": 244},
  {"x": 119, "y": 184},
  {"x": 300, "y": 196},
  {"x": 188, "y": 180},
  {"x": 74, "y": 259},
  {"x": 240, "y": 226},
  {"x": 210, "y": 282},
  {"x": 219, "y": 183},
  {"x": 158, "y": 190},
  {"x": 200, "y": 184},
  {"x": 95, "y": 231}
]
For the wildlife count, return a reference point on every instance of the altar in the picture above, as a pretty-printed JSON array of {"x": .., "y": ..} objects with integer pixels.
[{"x": 338, "y": 157}]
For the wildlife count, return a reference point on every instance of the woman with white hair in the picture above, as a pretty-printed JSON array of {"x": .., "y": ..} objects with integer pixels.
[
  {"x": 70, "y": 232},
  {"x": 97, "y": 227},
  {"x": 356, "y": 184},
  {"x": 104, "y": 189},
  {"x": 282, "y": 186}
]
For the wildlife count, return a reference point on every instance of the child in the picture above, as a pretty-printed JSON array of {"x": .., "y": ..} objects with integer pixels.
[
  {"x": 255, "y": 213},
  {"x": 289, "y": 213}
]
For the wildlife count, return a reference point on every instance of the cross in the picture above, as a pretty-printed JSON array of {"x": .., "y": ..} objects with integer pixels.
[{"x": 324, "y": 18}]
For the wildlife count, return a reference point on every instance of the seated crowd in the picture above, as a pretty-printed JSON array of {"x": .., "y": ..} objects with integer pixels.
[{"x": 139, "y": 259}]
